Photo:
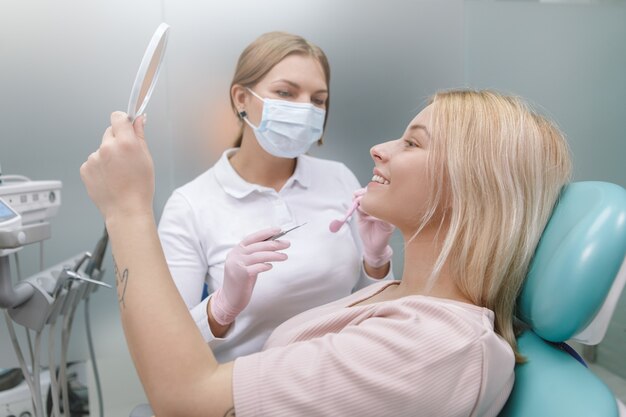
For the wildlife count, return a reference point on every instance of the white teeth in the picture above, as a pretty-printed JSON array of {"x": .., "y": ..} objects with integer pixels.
[{"x": 380, "y": 180}]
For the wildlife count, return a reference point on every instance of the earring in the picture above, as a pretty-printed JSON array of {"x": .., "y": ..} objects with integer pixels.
[{"x": 242, "y": 114}]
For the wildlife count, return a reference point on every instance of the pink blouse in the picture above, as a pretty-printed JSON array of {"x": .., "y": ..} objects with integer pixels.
[{"x": 414, "y": 356}]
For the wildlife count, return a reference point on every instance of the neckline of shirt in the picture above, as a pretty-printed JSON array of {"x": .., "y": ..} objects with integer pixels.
[
  {"x": 232, "y": 183},
  {"x": 383, "y": 285}
]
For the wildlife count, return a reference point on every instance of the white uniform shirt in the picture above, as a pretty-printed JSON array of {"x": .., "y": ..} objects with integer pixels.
[{"x": 206, "y": 217}]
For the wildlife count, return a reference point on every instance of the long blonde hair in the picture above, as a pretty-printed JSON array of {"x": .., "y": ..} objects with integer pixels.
[
  {"x": 264, "y": 53},
  {"x": 502, "y": 167}
]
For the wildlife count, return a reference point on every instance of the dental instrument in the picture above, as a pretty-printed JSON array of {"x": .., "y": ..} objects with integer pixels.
[
  {"x": 335, "y": 225},
  {"x": 283, "y": 233}
]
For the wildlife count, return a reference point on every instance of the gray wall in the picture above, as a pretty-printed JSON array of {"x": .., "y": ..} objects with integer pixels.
[
  {"x": 569, "y": 59},
  {"x": 65, "y": 65}
]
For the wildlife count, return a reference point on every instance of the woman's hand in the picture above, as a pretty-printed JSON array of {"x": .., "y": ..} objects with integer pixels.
[
  {"x": 375, "y": 235},
  {"x": 119, "y": 176},
  {"x": 243, "y": 264}
]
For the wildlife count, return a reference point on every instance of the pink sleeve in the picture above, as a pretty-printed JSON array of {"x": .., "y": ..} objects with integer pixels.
[{"x": 381, "y": 367}]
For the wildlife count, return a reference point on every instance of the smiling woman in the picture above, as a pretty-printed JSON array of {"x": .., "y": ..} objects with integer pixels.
[{"x": 470, "y": 201}]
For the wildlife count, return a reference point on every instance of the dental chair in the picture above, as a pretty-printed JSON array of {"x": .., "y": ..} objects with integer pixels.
[{"x": 573, "y": 285}]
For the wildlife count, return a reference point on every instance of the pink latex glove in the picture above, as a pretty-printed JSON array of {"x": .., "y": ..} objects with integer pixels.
[
  {"x": 243, "y": 264},
  {"x": 375, "y": 235}
]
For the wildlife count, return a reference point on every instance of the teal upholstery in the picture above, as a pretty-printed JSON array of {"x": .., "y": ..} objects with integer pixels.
[
  {"x": 577, "y": 259},
  {"x": 553, "y": 383},
  {"x": 575, "y": 265}
]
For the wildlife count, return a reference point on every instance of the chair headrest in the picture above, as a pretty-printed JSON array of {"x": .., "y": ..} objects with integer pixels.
[{"x": 576, "y": 262}]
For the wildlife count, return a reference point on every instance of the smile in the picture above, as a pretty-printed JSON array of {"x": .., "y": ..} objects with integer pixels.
[{"x": 380, "y": 180}]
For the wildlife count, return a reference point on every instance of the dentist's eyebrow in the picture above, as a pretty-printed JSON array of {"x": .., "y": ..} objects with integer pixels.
[
  {"x": 296, "y": 85},
  {"x": 422, "y": 127}
]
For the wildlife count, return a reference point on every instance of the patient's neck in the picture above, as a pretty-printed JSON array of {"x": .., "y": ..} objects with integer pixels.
[{"x": 420, "y": 256}]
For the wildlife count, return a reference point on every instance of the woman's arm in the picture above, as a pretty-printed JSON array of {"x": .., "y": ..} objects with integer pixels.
[{"x": 177, "y": 369}]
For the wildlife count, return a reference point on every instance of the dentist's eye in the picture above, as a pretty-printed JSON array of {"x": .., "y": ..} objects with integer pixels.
[
  {"x": 282, "y": 93},
  {"x": 319, "y": 102}
]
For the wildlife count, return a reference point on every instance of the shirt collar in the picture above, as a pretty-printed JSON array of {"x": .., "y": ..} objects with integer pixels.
[
  {"x": 302, "y": 174},
  {"x": 237, "y": 187}
]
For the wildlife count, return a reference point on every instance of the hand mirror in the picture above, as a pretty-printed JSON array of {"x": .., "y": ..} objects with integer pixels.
[{"x": 148, "y": 72}]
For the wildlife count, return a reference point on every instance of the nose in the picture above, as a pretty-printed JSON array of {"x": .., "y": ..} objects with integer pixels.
[
  {"x": 380, "y": 152},
  {"x": 311, "y": 99}
]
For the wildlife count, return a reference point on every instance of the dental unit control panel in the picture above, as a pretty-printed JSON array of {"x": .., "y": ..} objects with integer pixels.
[
  {"x": 10, "y": 225},
  {"x": 36, "y": 201}
]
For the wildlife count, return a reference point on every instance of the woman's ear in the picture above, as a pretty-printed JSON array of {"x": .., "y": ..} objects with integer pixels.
[{"x": 240, "y": 96}]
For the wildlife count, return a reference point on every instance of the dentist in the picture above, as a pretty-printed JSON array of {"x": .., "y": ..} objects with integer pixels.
[{"x": 214, "y": 229}]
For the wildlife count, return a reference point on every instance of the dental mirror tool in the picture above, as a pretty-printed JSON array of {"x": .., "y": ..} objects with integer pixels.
[
  {"x": 148, "y": 72},
  {"x": 335, "y": 225}
]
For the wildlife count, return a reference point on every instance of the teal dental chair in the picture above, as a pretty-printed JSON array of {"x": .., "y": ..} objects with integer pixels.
[{"x": 571, "y": 291}]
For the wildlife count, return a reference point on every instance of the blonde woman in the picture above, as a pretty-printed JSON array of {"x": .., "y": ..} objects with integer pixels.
[
  {"x": 210, "y": 227},
  {"x": 470, "y": 184}
]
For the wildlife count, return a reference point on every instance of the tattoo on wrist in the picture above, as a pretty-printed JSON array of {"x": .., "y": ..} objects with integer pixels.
[
  {"x": 121, "y": 281},
  {"x": 230, "y": 413}
]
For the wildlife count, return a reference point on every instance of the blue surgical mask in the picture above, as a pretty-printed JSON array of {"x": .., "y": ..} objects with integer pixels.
[{"x": 287, "y": 129}]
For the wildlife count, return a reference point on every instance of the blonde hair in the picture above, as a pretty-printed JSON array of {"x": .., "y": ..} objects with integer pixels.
[
  {"x": 264, "y": 53},
  {"x": 499, "y": 168}
]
